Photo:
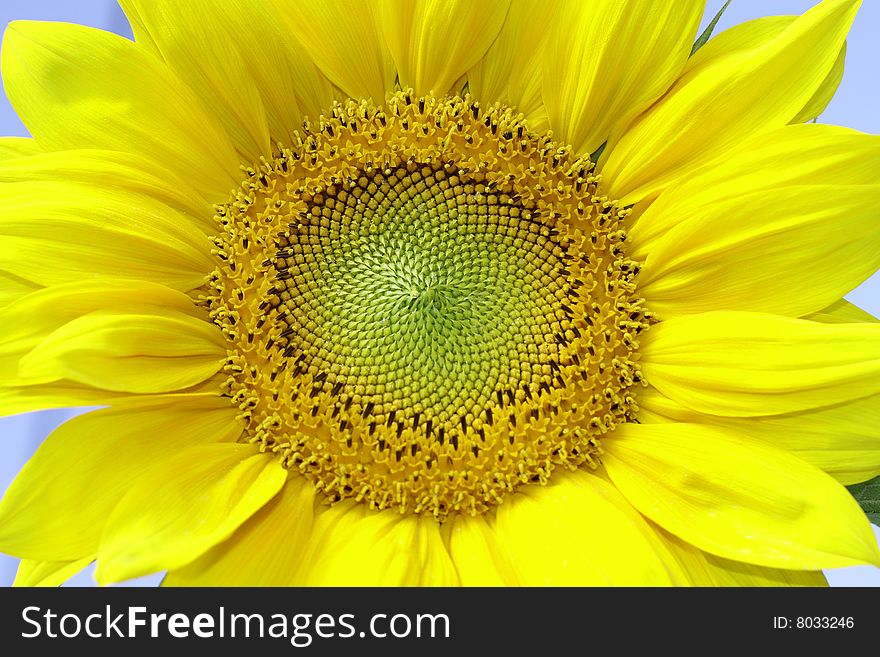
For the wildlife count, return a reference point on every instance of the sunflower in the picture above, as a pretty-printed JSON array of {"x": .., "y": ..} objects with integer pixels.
[{"x": 438, "y": 293}]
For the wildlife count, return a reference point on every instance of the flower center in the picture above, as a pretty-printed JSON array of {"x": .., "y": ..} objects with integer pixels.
[
  {"x": 426, "y": 305},
  {"x": 419, "y": 295}
]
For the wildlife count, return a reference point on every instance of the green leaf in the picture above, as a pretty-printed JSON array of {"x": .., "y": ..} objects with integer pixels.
[
  {"x": 704, "y": 37},
  {"x": 867, "y": 494}
]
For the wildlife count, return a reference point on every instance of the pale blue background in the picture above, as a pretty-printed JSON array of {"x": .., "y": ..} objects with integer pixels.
[{"x": 855, "y": 105}]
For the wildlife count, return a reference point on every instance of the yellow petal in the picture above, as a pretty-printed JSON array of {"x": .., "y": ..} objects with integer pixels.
[
  {"x": 267, "y": 550},
  {"x": 741, "y": 364},
  {"x": 579, "y": 531},
  {"x": 736, "y": 573},
  {"x": 291, "y": 86},
  {"x": 48, "y": 573},
  {"x": 78, "y": 87},
  {"x": 133, "y": 349},
  {"x": 56, "y": 508},
  {"x": 256, "y": 51},
  {"x": 790, "y": 156},
  {"x": 28, "y": 320},
  {"x": 757, "y": 32},
  {"x": 609, "y": 60},
  {"x": 434, "y": 42},
  {"x": 183, "y": 506},
  {"x": 14, "y": 287},
  {"x": 15, "y": 147},
  {"x": 15, "y": 400},
  {"x": 740, "y": 38},
  {"x": 64, "y": 394},
  {"x": 53, "y": 232},
  {"x": 723, "y": 99},
  {"x": 479, "y": 557},
  {"x": 36, "y": 253},
  {"x": 95, "y": 170},
  {"x": 199, "y": 41},
  {"x": 842, "y": 312},
  {"x": 354, "y": 546},
  {"x": 345, "y": 42},
  {"x": 738, "y": 498},
  {"x": 791, "y": 251},
  {"x": 293, "y": 77},
  {"x": 706, "y": 569},
  {"x": 509, "y": 72},
  {"x": 817, "y": 104},
  {"x": 843, "y": 440}
]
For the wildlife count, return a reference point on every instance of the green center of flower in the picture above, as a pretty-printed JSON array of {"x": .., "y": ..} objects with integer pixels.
[
  {"x": 421, "y": 295},
  {"x": 426, "y": 306}
]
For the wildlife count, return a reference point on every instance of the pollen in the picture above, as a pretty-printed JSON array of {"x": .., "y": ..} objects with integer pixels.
[{"x": 426, "y": 306}]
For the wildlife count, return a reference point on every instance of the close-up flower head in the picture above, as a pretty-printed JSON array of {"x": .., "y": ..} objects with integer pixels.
[{"x": 438, "y": 292}]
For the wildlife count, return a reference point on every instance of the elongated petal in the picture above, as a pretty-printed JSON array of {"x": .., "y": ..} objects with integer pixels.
[
  {"x": 434, "y": 42},
  {"x": 843, "y": 440},
  {"x": 579, "y": 531},
  {"x": 267, "y": 550},
  {"x": 257, "y": 52},
  {"x": 841, "y": 312},
  {"x": 135, "y": 349},
  {"x": 35, "y": 253},
  {"x": 791, "y": 156},
  {"x": 354, "y": 546},
  {"x": 740, "y": 364},
  {"x": 817, "y": 104},
  {"x": 198, "y": 41},
  {"x": 738, "y": 498},
  {"x": 757, "y": 32},
  {"x": 740, "y": 38},
  {"x": 724, "y": 98},
  {"x": 479, "y": 556},
  {"x": 802, "y": 246},
  {"x": 64, "y": 394},
  {"x": 56, "y": 508},
  {"x": 28, "y": 320},
  {"x": 345, "y": 41},
  {"x": 238, "y": 60},
  {"x": 78, "y": 87},
  {"x": 184, "y": 506},
  {"x": 48, "y": 573},
  {"x": 15, "y": 147},
  {"x": 14, "y": 287},
  {"x": 706, "y": 569},
  {"x": 607, "y": 61},
  {"x": 736, "y": 573},
  {"x": 53, "y": 232},
  {"x": 509, "y": 72},
  {"x": 25, "y": 399},
  {"x": 93, "y": 169},
  {"x": 293, "y": 76}
]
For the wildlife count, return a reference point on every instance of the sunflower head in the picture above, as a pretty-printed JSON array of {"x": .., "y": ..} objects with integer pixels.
[
  {"x": 410, "y": 292},
  {"x": 427, "y": 305}
]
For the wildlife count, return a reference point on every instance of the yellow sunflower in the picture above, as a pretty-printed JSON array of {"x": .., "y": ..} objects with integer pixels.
[{"x": 438, "y": 293}]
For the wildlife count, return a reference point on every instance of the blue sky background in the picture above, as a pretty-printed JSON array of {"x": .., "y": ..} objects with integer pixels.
[{"x": 855, "y": 105}]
